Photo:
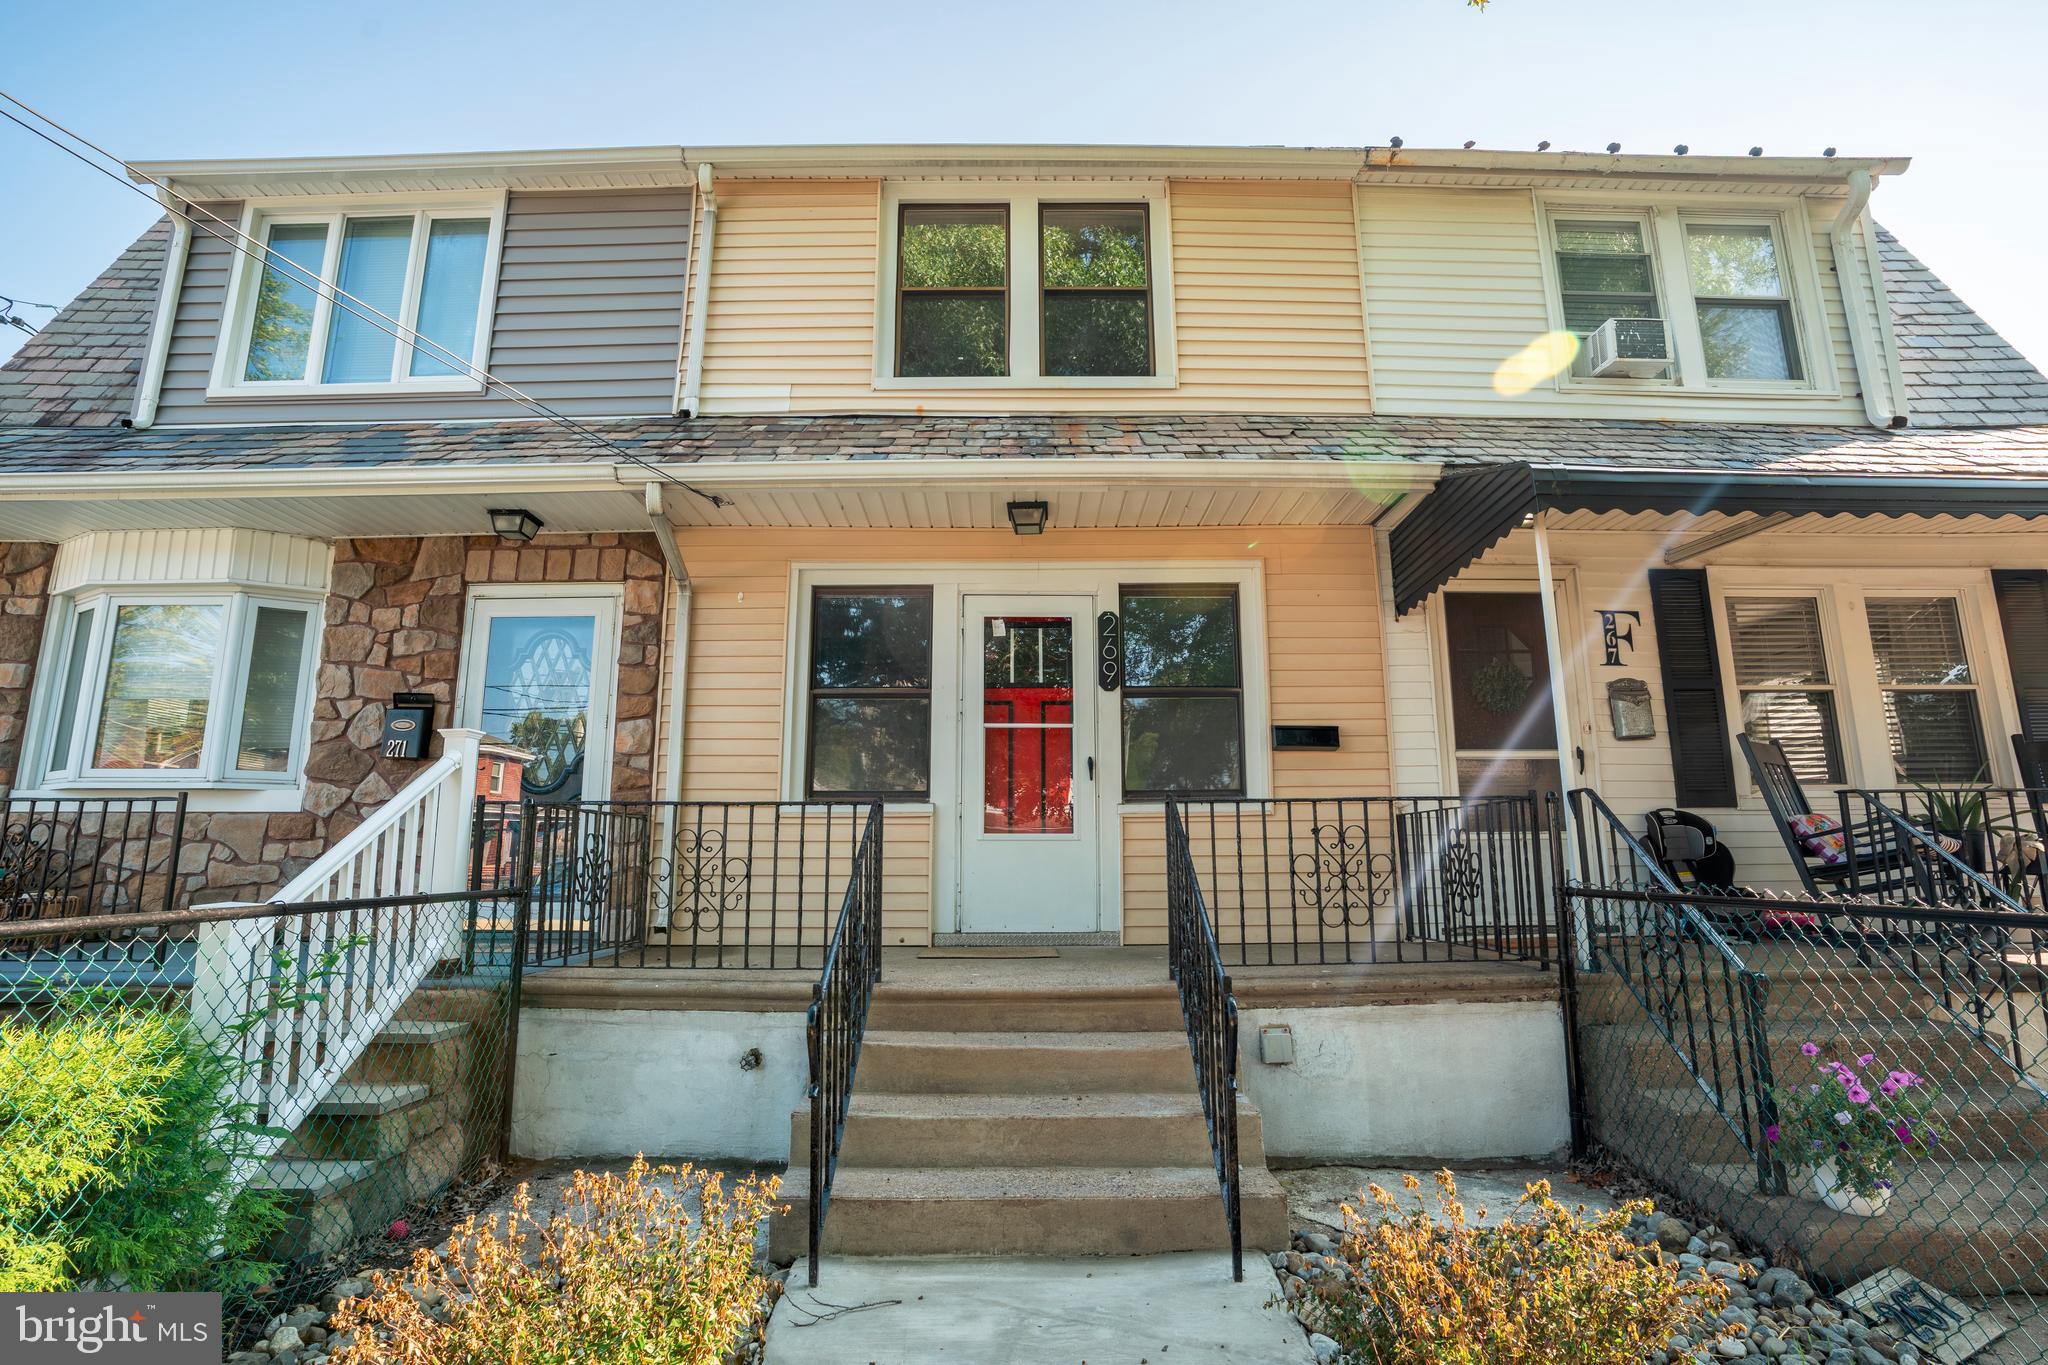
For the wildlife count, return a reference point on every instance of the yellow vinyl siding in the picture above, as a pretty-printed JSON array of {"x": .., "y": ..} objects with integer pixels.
[
  {"x": 1454, "y": 283},
  {"x": 1266, "y": 303},
  {"x": 1323, "y": 664}
]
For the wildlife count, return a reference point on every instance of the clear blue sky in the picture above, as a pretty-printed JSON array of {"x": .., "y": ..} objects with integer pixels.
[{"x": 1958, "y": 85}]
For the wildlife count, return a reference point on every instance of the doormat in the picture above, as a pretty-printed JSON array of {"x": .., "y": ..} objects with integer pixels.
[{"x": 989, "y": 952}]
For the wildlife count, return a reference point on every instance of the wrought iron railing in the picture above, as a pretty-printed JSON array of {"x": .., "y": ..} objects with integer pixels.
[
  {"x": 838, "y": 1018},
  {"x": 1686, "y": 979},
  {"x": 1965, "y": 847},
  {"x": 682, "y": 884},
  {"x": 1299, "y": 880},
  {"x": 1209, "y": 1013},
  {"x": 67, "y": 858}
]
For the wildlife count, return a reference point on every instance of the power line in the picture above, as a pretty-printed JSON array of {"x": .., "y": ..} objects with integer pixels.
[
  {"x": 13, "y": 319},
  {"x": 333, "y": 293}
]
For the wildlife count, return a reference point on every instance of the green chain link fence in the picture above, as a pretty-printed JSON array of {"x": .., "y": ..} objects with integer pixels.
[
  {"x": 244, "y": 1099},
  {"x": 1727, "y": 1047}
]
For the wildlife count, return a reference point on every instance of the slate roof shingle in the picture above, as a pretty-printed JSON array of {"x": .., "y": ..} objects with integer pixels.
[
  {"x": 80, "y": 369},
  {"x": 1959, "y": 371}
]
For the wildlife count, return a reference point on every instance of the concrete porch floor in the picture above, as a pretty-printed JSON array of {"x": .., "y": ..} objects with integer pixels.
[{"x": 641, "y": 979}]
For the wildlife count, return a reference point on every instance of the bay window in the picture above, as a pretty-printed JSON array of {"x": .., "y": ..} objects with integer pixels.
[
  {"x": 1183, "y": 692},
  {"x": 870, "y": 686},
  {"x": 179, "y": 689},
  {"x": 426, "y": 270}
]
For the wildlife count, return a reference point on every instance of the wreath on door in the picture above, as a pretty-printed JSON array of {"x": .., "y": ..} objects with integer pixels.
[{"x": 1499, "y": 687}]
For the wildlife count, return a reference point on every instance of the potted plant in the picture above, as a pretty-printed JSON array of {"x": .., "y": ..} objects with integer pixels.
[{"x": 1849, "y": 1129}]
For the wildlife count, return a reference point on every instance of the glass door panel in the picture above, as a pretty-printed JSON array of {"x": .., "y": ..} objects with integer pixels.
[{"x": 1027, "y": 721}]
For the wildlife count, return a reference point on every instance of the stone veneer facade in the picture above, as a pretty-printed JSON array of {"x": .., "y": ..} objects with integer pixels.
[{"x": 394, "y": 623}]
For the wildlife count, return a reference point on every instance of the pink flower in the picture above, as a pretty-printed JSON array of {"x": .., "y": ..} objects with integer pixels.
[
  {"x": 1810, "y": 1049},
  {"x": 1858, "y": 1095},
  {"x": 1888, "y": 1087},
  {"x": 1904, "y": 1134},
  {"x": 1771, "y": 1132},
  {"x": 1866, "y": 1059}
]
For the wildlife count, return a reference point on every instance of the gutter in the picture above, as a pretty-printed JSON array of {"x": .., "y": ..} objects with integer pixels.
[
  {"x": 1851, "y": 273},
  {"x": 167, "y": 296},
  {"x": 700, "y": 293}
]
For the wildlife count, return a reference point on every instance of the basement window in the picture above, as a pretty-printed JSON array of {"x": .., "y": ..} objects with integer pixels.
[
  {"x": 385, "y": 300},
  {"x": 187, "y": 690}
]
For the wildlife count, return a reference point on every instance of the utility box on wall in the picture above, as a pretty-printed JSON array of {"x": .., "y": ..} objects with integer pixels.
[{"x": 407, "y": 723}]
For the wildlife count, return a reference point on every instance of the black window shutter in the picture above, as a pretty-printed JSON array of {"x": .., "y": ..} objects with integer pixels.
[
  {"x": 2023, "y": 609},
  {"x": 1694, "y": 711}
]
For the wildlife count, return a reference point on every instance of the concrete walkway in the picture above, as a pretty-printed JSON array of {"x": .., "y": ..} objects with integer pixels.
[{"x": 1181, "y": 1309}]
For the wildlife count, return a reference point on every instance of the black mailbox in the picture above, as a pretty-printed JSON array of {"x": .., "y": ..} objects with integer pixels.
[{"x": 407, "y": 723}]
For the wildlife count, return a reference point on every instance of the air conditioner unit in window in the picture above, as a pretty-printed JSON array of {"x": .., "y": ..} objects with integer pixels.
[{"x": 1633, "y": 348}]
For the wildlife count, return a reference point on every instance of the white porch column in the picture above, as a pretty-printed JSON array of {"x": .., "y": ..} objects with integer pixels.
[
  {"x": 1560, "y": 712},
  {"x": 450, "y": 871}
]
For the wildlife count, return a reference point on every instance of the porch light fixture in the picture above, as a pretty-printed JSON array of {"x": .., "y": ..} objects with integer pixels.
[
  {"x": 515, "y": 523},
  {"x": 1027, "y": 518}
]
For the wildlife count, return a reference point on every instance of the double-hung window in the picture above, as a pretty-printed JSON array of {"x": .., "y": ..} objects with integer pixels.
[
  {"x": 1183, "y": 692},
  {"x": 870, "y": 703},
  {"x": 1026, "y": 288},
  {"x": 362, "y": 300},
  {"x": 184, "y": 689},
  {"x": 1745, "y": 315},
  {"x": 1930, "y": 692},
  {"x": 1780, "y": 660},
  {"x": 1717, "y": 291}
]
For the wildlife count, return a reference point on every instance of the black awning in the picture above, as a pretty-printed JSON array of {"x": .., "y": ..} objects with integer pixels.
[{"x": 1471, "y": 510}]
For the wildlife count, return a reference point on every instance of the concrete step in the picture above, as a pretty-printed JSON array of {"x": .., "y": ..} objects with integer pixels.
[
  {"x": 1039, "y": 1009},
  {"x": 369, "y": 1122},
  {"x": 1034, "y": 1063},
  {"x": 1029, "y": 1211},
  {"x": 331, "y": 1204},
  {"x": 430, "y": 1052},
  {"x": 1956, "y": 1063},
  {"x": 1028, "y": 1130},
  {"x": 2013, "y": 1127}
]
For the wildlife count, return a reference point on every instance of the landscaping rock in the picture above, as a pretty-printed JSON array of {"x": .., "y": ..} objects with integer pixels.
[{"x": 1324, "y": 1347}]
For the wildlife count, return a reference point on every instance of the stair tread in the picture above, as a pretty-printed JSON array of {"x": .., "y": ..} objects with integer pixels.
[
  {"x": 311, "y": 1176},
  {"x": 941, "y": 1184},
  {"x": 363, "y": 1099},
  {"x": 1112, "y": 1039},
  {"x": 422, "y": 1030},
  {"x": 1120, "y": 1104}
]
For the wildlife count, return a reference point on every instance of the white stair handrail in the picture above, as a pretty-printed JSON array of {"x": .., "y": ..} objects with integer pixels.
[{"x": 340, "y": 977}]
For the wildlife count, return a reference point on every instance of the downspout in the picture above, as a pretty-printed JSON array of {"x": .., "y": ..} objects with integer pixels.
[
  {"x": 1850, "y": 268},
  {"x": 679, "y": 645},
  {"x": 700, "y": 292},
  {"x": 152, "y": 386}
]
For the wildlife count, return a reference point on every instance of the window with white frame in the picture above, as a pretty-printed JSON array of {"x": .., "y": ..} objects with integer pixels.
[
  {"x": 1722, "y": 285},
  {"x": 307, "y": 314},
  {"x": 1780, "y": 661},
  {"x": 180, "y": 689},
  {"x": 1930, "y": 693},
  {"x": 999, "y": 284}
]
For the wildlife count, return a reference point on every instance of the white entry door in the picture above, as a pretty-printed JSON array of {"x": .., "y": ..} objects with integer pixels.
[
  {"x": 1027, "y": 780},
  {"x": 538, "y": 673}
]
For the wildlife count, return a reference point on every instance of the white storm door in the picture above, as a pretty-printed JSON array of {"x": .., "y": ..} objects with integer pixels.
[
  {"x": 539, "y": 673},
  {"x": 1027, "y": 754}
]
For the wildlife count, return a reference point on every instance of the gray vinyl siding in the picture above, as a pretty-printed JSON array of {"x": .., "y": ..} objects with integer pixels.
[{"x": 589, "y": 318}]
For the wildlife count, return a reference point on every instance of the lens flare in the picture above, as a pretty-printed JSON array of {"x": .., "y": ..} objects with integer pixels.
[{"x": 1542, "y": 359}]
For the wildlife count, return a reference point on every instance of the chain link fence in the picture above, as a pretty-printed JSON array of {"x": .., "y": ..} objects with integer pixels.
[
  {"x": 243, "y": 1099},
  {"x": 1849, "y": 1089}
]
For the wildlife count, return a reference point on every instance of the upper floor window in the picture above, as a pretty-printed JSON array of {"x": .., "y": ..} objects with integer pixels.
[
  {"x": 1715, "y": 296},
  {"x": 1096, "y": 287},
  {"x": 383, "y": 275},
  {"x": 185, "y": 689},
  {"x": 1091, "y": 272},
  {"x": 1739, "y": 293}
]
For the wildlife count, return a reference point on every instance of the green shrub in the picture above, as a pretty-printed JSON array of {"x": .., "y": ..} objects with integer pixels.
[{"x": 117, "y": 1143}]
